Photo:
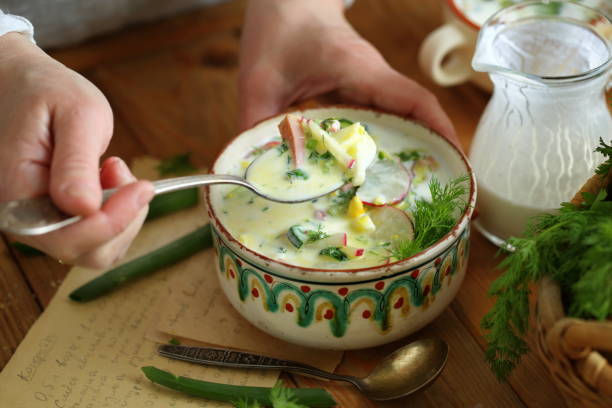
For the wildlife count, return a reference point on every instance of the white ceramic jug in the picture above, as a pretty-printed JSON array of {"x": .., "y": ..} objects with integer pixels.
[{"x": 534, "y": 146}]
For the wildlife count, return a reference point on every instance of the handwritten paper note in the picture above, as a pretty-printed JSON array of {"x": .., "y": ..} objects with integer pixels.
[
  {"x": 89, "y": 355},
  {"x": 197, "y": 310}
]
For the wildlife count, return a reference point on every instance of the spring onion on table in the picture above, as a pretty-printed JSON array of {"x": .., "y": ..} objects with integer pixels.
[
  {"x": 26, "y": 250},
  {"x": 310, "y": 397},
  {"x": 162, "y": 257},
  {"x": 172, "y": 202}
]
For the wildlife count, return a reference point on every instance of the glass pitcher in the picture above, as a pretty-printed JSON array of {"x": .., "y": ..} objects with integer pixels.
[{"x": 533, "y": 149}]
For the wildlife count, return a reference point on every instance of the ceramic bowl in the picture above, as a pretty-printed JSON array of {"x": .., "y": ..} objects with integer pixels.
[{"x": 342, "y": 309}]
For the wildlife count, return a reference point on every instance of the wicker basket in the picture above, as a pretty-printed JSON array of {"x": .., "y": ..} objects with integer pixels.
[{"x": 576, "y": 352}]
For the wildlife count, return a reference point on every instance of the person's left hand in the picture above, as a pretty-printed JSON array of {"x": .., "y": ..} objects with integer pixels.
[{"x": 296, "y": 49}]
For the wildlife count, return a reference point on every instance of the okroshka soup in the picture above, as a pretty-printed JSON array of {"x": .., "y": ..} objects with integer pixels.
[{"x": 391, "y": 179}]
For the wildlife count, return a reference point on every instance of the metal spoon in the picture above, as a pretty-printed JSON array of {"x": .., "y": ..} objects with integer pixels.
[
  {"x": 36, "y": 216},
  {"x": 403, "y": 372}
]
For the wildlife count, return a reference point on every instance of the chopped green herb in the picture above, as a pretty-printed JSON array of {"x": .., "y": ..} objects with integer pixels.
[
  {"x": 177, "y": 165},
  {"x": 174, "y": 342},
  {"x": 251, "y": 201},
  {"x": 282, "y": 148},
  {"x": 265, "y": 209},
  {"x": 327, "y": 123},
  {"x": 434, "y": 219},
  {"x": 334, "y": 252},
  {"x": 297, "y": 174},
  {"x": 341, "y": 202},
  {"x": 315, "y": 235},
  {"x": 314, "y": 156},
  {"x": 410, "y": 155},
  {"x": 311, "y": 144},
  {"x": 282, "y": 250},
  {"x": 258, "y": 151}
]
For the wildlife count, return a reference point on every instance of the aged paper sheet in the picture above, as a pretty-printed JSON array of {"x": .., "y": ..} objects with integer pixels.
[
  {"x": 89, "y": 355},
  {"x": 197, "y": 310}
]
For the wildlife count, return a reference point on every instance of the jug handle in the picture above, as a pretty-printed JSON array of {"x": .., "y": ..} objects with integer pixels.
[{"x": 445, "y": 55}]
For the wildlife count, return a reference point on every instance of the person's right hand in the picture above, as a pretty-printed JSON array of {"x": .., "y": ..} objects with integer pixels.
[{"x": 54, "y": 126}]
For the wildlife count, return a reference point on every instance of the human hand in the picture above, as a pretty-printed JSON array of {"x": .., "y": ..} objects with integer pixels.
[
  {"x": 54, "y": 126},
  {"x": 297, "y": 49}
]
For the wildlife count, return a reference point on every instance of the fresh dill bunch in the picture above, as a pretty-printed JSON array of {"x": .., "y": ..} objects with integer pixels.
[
  {"x": 592, "y": 293},
  {"x": 434, "y": 218},
  {"x": 571, "y": 246}
]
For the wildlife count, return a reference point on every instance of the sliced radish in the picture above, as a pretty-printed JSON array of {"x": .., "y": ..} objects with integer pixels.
[
  {"x": 386, "y": 182},
  {"x": 392, "y": 224},
  {"x": 292, "y": 132}
]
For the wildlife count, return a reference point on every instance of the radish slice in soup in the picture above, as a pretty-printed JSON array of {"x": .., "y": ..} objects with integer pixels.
[
  {"x": 392, "y": 224},
  {"x": 386, "y": 182}
]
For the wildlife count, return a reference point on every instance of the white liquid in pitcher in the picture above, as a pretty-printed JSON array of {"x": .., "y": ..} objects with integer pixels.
[
  {"x": 534, "y": 146},
  {"x": 505, "y": 217}
]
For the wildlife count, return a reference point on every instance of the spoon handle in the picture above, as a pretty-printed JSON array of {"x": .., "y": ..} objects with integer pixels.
[
  {"x": 240, "y": 359},
  {"x": 180, "y": 183},
  {"x": 35, "y": 216}
]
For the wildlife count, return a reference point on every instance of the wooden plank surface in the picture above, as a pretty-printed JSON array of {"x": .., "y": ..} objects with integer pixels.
[{"x": 172, "y": 88}]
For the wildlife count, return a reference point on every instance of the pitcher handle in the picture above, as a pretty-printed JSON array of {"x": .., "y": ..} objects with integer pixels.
[{"x": 445, "y": 55}]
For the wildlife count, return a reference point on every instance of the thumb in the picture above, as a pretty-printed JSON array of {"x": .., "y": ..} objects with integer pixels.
[
  {"x": 81, "y": 135},
  {"x": 261, "y": 95}
]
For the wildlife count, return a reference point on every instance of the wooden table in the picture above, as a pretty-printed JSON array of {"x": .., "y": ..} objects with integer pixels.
[{"x": 171, "y": 85}]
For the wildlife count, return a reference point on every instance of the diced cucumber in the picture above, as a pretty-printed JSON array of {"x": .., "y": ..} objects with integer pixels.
[{"x": 297, "y": 236}]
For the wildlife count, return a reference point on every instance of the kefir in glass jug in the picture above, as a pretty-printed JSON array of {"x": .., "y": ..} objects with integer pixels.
[{"x": 534, "y": 147}]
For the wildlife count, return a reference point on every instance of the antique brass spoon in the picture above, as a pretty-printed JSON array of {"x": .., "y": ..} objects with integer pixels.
[{"x": 403, "y": 372}]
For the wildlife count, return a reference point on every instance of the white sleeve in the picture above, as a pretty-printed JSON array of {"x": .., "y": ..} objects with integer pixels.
[{"x": 11, "y": 24}]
